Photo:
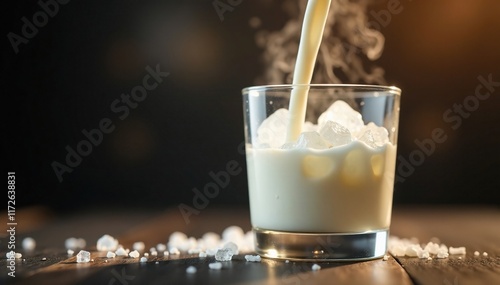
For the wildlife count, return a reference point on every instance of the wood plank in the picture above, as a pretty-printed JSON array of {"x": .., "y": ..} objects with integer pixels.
[{"x": 478, "y": 229}]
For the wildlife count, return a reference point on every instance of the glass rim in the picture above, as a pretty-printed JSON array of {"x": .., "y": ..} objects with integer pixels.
[{"x": 361, "y": 87}]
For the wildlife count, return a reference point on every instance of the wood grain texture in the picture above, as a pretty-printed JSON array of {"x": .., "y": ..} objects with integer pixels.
[{"x": 475, "y": 228}]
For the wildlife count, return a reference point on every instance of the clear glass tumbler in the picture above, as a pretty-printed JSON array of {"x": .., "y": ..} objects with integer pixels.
[{"x": 327, "y": 194}]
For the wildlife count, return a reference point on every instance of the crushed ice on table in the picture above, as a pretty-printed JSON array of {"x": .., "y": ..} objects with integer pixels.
[
  {"x": 143, "y": 259},
  {"x": 134, "y": 254},
  {"x": 412, "y": 248},
  {"x": 253, "y": 258},
  {"x": 107, "y": 242},
  {"x": 316, "y": 267},
  {"x": 83, "y": 256},
  {"x": 215, "y": 265},
  {"x": 121, "y": 252},
  {"x": 139, "y": 246},
  {"x": 191, "y": 270},
  {"x": 232, "y": 247},
  {"x": 110, "y": 254},
  {"x": 224, "y": 254},
  {"x": 75, "y": 243},
  {"x": 29, "y": 244}
]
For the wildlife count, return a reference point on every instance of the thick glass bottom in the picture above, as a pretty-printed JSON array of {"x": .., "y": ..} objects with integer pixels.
[{"x": 321, "y": 246}]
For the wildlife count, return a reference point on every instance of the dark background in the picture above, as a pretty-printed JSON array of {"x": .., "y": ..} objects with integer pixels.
[{"x": 66, "y": 77}]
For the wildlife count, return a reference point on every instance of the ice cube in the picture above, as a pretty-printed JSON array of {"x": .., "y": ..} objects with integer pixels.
[
  {"x": 83, "y": 256},
  {"x": 309, "y": 127},
  {"x": 70, "y": 252},
  {"x": 143, "y": 259},
  {"x": 107, "y": 242},
  {"x": 273, "y": 129},
  {"x": 335, "y": 134},
  {"x": 311, "y": 140},
  {"x": 343, "y": 114},
  {"x": 110, "y": 254},
  {"x": 373, "y": 135},
  {"x": 224, "y": 254}
]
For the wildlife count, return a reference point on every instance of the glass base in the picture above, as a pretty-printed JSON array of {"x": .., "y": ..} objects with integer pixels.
[{"x": 321, "y": 246}]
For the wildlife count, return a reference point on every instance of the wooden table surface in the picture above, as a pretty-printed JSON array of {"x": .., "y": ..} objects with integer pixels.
[{"x": 476, "y": 228}]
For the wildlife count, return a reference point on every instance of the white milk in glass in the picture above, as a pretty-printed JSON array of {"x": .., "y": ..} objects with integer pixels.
[{"x": 341, "y": 189}]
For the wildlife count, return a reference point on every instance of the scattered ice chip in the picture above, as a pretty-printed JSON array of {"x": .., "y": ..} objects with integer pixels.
[
  {"x": 194, "y": 251},
  {"x": 442, "y": 253},
  {"x": 75, "y": 243},
  {"x": 211, "y": 239},
  {"x": 157, "y": 262},
  {"x": 287, "y": 261},
  {"x": 143, "y": 259},
  {"x": 476, "y": 253},
  {"x": 413, "y": 250},
  {"x": 110, "y": 254},
  {"x": 215, "y": 265},
  {"x": 484, "y": 253},
  {"x": 154, "y": 253},
  {"x": 202, "y": 254},
  {"x": 44, "y": 259},
  {"x": 83, "y": 256},
  {"x": 70, "y": 252},
  {"x": 429, "y": 258},
  {"x": 272, "y": 131},
  {"x": 29, "y": 243},
  {"x": 335, "y": 134},
  {"x": 343, "y": 114},
  {"x": 134, "y": 254},
  {"x": 223, "y": 254},
  {"x": 423, "y": 254},
  {"x": 161, "y": 247},
  {"x": 107, "y": 242},
  {"x": 18, "y": 255},
  {"x": 233, "y": 233},
  {"x": 191, "y": 270},
  {"x": 432, "y": 248},
  {"x": 146, "y": 254},
  {"x": 253, "y": 258},
  {"x": 165, "y": 253},
  {"x": 174, "y": 251},
  {"x": 315, "y": 267},
  {"x": 385, "y": 258},
  {"x": 232, "y": 247},
  {"x": 10, "y": 255},
  {"x": 152, "y": 249},
  {"x": 139, "y": 246},
  {"x": 121, "y": 252},
  {"x": 457, "y": 250}
]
